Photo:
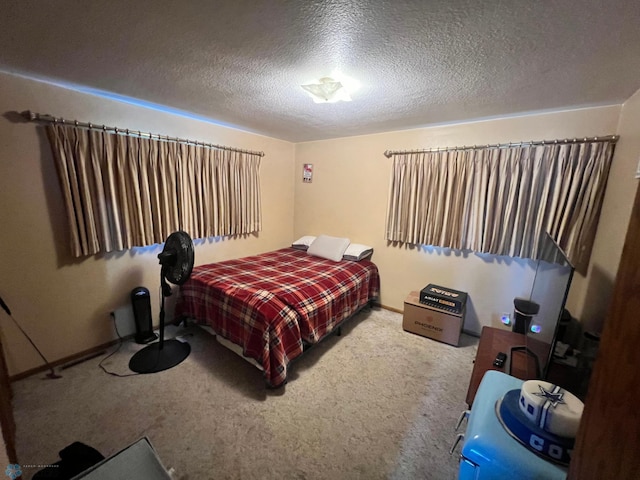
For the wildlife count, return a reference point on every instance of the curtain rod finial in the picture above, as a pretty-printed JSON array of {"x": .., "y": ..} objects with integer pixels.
[{"x": 17, "y": 117}]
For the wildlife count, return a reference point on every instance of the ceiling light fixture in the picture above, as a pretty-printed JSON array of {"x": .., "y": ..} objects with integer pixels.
[{"x": 327, "y": 90}]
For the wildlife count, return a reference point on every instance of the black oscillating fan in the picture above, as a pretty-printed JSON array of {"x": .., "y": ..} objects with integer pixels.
[{"x": 176, "y": 259}]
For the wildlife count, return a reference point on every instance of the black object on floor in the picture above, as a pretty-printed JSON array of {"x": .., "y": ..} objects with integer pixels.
[
  {"x": 74, "y": 459},
  {"x": 141, "y": 303}
]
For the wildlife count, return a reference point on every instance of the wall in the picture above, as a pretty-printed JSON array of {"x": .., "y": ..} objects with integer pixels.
[
  {"x": 595, "y": 290},
  {"x": 348, "y": 197},
  {"x": 62, "y": 303}
]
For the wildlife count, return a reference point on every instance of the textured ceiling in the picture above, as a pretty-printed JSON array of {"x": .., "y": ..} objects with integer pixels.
[{"x": 240, "y": 62}]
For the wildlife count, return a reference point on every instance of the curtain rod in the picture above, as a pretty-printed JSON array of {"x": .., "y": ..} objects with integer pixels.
[
  {"x": 43, "y": 117},
  {"x": 607, "y": 138}
]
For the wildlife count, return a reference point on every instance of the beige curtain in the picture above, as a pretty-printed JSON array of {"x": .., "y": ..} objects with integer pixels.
[
  {"x": 125, "y": 191},
  {"x": 500, "y": 200}
]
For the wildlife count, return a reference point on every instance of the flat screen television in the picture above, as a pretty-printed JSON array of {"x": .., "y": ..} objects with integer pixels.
[{"x": 549, "y": 290}]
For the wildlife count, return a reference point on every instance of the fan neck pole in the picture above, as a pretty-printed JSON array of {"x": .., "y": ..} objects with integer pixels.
[{"x": 162, "y": 294}]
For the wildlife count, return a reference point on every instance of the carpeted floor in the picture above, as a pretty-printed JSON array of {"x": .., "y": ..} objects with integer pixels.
[{"x": 375, "y": 403}]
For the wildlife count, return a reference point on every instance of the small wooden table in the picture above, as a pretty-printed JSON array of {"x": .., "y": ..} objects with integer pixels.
[{"x": 523, "y": 365}]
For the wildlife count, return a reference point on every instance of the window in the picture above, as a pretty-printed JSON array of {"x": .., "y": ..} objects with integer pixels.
[
  {"x": 122, "y": 191},
  {"x": 501, "y": 200}
]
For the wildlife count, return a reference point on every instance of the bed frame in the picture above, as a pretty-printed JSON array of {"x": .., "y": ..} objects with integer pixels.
[{"x": 337, "y": 331}]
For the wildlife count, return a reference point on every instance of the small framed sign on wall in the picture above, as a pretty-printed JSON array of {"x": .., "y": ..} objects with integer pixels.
[{"x": 307, "y": 172}]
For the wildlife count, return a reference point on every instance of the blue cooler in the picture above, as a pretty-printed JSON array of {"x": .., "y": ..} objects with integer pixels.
[{"x": 489, "y": 452}]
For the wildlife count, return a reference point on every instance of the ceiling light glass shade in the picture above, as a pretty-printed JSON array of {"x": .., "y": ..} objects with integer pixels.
[{"x": 327, "y": 91}]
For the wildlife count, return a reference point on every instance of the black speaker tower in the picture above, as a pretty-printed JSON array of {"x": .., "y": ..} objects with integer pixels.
[{"x": 141, "y": 303}]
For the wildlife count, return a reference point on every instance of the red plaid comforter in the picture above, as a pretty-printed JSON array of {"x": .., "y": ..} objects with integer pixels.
[{"x": 269, "y": 303}]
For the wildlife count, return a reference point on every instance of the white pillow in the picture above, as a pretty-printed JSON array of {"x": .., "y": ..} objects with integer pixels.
[
  {"x": 357, "y": 252},
  {"x": 331, "y": 248},
  {"x": 303, "y": 242}
]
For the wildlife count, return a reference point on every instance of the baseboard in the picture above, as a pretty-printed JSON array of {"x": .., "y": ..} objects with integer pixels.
[
  {"x": 471, "y": 333},
  {"x": 76, "y": 357},
  {"x": 391, "y": 309},
  {"x": 92, "y": 351}
]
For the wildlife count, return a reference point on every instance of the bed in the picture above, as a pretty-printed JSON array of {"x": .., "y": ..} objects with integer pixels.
[{"x": 276, "y": 304}]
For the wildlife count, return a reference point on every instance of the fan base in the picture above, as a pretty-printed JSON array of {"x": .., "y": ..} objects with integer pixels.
[
  {"x": 145, "y": 337},
  {"x": 151, "y": 359}
]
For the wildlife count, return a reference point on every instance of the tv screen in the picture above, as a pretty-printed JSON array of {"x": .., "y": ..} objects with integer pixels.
[{"x": 550, "y": 288}]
